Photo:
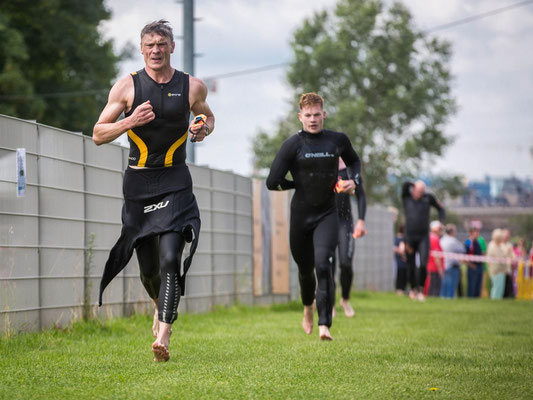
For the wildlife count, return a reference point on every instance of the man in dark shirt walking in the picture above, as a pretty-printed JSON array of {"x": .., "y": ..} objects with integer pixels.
[{"x": 417, "y": 206}]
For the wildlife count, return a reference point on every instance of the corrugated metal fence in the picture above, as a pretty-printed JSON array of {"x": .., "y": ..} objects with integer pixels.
[{"x": 55, "y": 240}]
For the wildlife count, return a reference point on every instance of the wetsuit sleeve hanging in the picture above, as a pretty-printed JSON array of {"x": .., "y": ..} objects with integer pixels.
[{"x": 353, "y": 167}]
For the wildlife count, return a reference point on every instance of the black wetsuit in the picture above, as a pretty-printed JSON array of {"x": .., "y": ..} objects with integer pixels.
[
  {"x": 160, "y": 212},
  {"x": 346, "y": 245},
  {"x": 401, "y": 266},
  {"x": 312, "y": 160},
  {"x": 416, "y": 234}
]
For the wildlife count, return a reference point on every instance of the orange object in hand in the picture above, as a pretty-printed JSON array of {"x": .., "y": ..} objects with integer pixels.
[
  {"x": 200, "y": 119},
  {"x": 339, "y": 185}
]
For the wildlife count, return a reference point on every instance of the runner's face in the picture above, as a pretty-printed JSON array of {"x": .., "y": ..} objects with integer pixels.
[
  {"x": 418, "y": 190},
  {"x": 312, "y": 118},
  {"x": 156, "y": 50}
]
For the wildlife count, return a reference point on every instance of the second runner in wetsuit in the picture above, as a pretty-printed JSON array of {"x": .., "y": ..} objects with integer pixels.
[
  {"x": 346, "y": 244},
  {"x": 312, "y": 156}
]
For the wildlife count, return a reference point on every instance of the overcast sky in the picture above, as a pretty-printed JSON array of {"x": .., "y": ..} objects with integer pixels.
[{"x": 492, "y": 66}]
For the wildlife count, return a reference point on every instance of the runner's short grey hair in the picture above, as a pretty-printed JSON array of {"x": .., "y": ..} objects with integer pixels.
[{"x": 161, "y": 27}]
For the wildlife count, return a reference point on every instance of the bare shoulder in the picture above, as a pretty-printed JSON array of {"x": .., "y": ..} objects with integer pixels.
[
  {"x": 122, "y": 89},
  {"x": 197, "y": 88}
]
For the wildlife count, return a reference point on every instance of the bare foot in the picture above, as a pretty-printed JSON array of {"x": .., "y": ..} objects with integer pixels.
[
  {"x": 420, "y": 297},
  {"x": 160, "y": 346},
  {"x": 333, "y": 312},
  {"x": 155, "y": 325},
  {"x": 160, "y": 352},
  {"x": 307, "y": 322},
  {"x": 412, "y": 295},
  {"x": 323, "y": 332},
  {"x": 348, "y": 310}
]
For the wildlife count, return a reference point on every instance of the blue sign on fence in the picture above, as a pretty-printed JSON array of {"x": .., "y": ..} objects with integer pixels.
[{"x": 21, "y": 172}]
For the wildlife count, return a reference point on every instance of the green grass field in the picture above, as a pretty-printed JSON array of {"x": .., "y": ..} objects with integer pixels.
[{"x": 393, "y": 348}]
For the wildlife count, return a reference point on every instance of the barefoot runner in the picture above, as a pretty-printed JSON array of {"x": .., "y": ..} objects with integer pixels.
[
  {"x": 311, "y": 156},
  {"x": 160, "y": 212}
]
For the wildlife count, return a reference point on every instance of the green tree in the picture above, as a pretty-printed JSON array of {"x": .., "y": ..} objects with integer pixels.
[
  {"x": 523, "y": 226},
  {"x": 13, "y": 55},
  {"x": 54, "y": 62},
  {"x": 386, "y": 84}
]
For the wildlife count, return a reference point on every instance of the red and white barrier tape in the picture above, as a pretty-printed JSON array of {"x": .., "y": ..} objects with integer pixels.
[{"x": 471, "y": 257}]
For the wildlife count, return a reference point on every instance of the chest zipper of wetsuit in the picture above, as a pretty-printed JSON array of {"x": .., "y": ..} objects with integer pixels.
[{"x": 161, "y": 102}]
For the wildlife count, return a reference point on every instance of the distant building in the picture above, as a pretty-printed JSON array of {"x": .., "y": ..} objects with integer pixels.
[{"x": 498, "y": 192}]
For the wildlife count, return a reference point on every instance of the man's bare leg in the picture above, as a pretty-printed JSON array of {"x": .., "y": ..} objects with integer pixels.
[
  {"x": 161, "y": 344},
  {"x": 323, "y": 333},
  {"x": 348, "y": 310},
  {"x": 155, "y": 325},
  {"x": 307, "y": 322}
]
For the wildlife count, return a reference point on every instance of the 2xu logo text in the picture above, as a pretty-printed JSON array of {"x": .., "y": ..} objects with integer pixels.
[{"x": 153, "y": 207}]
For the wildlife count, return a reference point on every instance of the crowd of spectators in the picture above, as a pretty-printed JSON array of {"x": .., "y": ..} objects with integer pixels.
[{"x": 453, "y": 272}]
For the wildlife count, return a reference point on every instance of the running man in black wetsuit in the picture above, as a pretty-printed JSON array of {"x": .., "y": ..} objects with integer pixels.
[
  {"x": 311, "y": 156},
  {"x": 346, "y": 245},
  {"x": 416, "y": 205},
  {"x": 160, "y": 212}
]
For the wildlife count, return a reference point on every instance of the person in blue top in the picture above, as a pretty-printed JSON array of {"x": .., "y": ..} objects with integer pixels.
[{"x": 474, "y": 273}]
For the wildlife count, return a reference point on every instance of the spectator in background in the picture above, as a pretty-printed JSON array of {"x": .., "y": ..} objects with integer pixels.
[
  {"x": 521, "y": 255},
  {"x": 450, "y": 244},
  {"x": 498, "y": 270},
  {"x": 401, "y": 264},
  {"x": 520, "y": 250},
  {"x": 474, "y": 273},
  {"x": 485, "y": 281},
  {"x": 509, "y": 252},
  {"x": 435, "y": 263}
]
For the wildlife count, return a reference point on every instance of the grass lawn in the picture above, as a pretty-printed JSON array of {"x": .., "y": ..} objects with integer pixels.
[{"x": 393, "y": 348}]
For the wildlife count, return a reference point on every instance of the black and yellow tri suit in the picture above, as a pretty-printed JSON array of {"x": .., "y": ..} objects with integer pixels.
[
  {"x": 160, "y": 212},
  {"x": 162, "y": 142}
]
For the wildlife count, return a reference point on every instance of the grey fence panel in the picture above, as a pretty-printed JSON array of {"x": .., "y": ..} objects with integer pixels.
[
  {"x": 60, "y": 174},
  {"x": 199, "y": 285},
  {"x": 223, "y": 239},
  {"x": 100, "y": 181},
  {"x": 19, "y": 255},
  {"x": 373, "y": 259},
  {"x": 109, "y": 156},
  {"x": 16, "y": 133},
  {"x": 103, "y": 209},
  {"x": 61, "y": 225},
  {"x": 61, "y": 144},
  {"x": 243, "y": 240},
  {"x": 61, "y": 203}
]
